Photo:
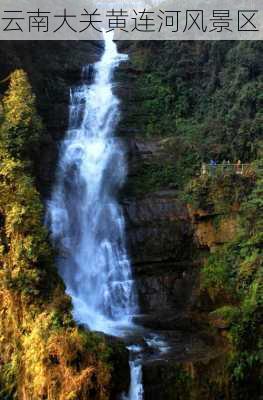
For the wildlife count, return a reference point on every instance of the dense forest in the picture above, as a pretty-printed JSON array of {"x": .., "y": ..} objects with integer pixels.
[
  {"x": 186, "y": 103},
  {"x": 205, "y": 97},
  {"x": 203, "y": 101}
]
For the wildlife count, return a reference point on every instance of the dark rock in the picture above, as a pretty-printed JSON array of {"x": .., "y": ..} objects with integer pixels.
[
  {"x": 119, "y": 360},
  {"x": 170, "y": 376},
  {"x": 158, "y": 229},
  {"x": 166, "y": 292}
]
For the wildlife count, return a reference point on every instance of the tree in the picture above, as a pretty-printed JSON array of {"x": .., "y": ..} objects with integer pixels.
[{"x": 21, "y": 128}]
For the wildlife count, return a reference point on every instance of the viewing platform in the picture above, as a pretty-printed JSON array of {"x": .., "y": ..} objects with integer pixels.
[{"x": 226, "y": 169}]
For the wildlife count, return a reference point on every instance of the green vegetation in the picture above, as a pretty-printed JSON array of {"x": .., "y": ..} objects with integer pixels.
[
  {"x": 206, "y": 97},
  {"x": 153, "y": 177},
  {"x": 233, "y": 278},
  {"x": 20, "y": 131},
  {"x": 231, "y": 284},
  {"x": 158, "y": 104},
  {"x": 218, "y": 194},
  {"x": 43, "y": 354}
]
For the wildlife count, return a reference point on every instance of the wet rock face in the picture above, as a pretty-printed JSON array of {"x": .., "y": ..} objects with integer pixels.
[
  {"x": 158, "y": 228},
  {"x": 159, "y": 236},
  {"x": 166, "y": 293},
  {"x": 160, "y": 241}
]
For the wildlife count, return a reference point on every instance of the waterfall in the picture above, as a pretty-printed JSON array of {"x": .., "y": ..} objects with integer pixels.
[{"x": 85, "y": 219}]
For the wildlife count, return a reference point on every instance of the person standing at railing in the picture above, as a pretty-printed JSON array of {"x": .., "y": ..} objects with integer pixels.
[
  {"x": 239, "y": 167},
  {"x": 213, "y": 164},
  {"x": 203, "y": 169}
]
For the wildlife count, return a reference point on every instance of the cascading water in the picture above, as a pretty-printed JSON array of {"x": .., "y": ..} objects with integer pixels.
[
  {"x": 136, "y": 386},
  {"x": 85, "y": 219}
]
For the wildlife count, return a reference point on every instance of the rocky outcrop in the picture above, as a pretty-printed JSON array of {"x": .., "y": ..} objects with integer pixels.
[{"x": 212, "y": 230}]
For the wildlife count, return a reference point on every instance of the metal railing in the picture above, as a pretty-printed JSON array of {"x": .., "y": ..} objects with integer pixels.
[{"x": 227, "y": 168}]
